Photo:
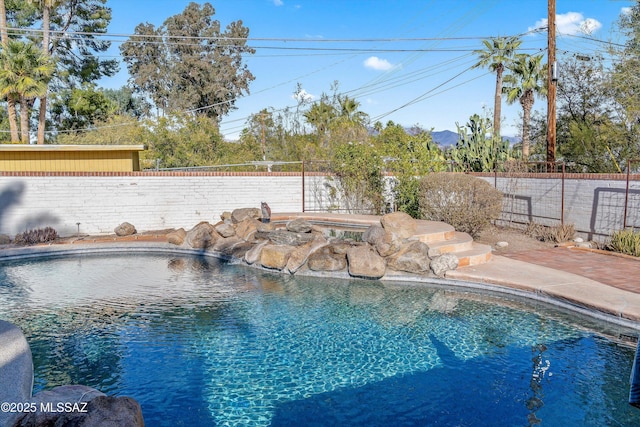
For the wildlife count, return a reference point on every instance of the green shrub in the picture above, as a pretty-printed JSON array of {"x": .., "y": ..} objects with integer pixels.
[
  {"x": 358, "y": 178},
  {"x": 468, "y": 204},
  {"x": 555, "y": 233},
  {"x": 40, "y": 235},
  {"x": 626, "y": 242}
]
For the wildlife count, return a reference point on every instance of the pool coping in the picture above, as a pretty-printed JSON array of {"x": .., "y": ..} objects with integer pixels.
[{"x": 500, "y": 275}]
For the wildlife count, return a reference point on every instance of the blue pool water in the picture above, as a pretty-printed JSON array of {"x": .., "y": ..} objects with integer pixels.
[{"x": 199, "y": 342}]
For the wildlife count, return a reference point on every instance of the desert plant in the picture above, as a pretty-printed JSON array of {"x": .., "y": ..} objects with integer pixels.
[
  {"x": 468, "y": 204},
  {"x": 39, "y": 235},
  {"x": 626, "y": 242},
  {"x": 555, "y": 233},
  {"x": 477, "y": 151}
]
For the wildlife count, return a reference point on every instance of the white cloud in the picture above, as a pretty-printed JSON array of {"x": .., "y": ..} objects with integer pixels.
[
  {"x": 278, "y": 2},
  {"x": 625, "y": 10},
  {"x": 570, "y": 23},
  {"x": 376, "y": 63},
  {"x": 303, "y": 95}
]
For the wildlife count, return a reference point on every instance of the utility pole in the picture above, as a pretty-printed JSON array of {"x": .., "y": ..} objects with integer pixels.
[
  {"x": 552, "y": 76},
  {"x": 262, "y": 139}
]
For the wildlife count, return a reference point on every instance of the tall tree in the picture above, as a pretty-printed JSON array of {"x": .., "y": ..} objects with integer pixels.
[
  {"x": 77, "y": 54},
  {"x": 526, "y": 81},
  {"x": 350, "y": 110},
  {"x": 25, "y": 74},
  {"x": 189, "y": 64},
  {"x": 75, "y": 46},
  {"x": 320, "y": 115},
  {"x": 593, "y": 133},
  {"x": 46, "y": 6},
  {"x": 11, "y": 102},
  {"x": 79, "y": 108},
  {"x": 624, "y": 82},
  {"x": 497, "y": 55}
]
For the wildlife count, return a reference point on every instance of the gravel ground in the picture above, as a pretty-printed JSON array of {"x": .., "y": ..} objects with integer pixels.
[{"x": 516, "y": 239}]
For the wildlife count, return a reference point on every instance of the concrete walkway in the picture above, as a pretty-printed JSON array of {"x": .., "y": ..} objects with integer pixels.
[{"x": 606, "y": 283}]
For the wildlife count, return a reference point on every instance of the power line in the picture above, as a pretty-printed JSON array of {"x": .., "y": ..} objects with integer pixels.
[{"x": 66, "y": 34}]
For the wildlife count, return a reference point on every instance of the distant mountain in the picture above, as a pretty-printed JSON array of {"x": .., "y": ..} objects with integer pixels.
[{"x": 446, "y": 138}]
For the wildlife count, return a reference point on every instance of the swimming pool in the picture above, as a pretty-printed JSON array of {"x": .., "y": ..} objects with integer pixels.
[{"x": 199, "y": 342}]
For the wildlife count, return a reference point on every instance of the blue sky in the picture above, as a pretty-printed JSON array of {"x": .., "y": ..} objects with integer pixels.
[{"x": 428, "y": 82}]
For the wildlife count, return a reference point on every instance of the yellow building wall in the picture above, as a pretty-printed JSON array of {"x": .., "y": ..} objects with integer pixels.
[{"x": 52, "y": 158}]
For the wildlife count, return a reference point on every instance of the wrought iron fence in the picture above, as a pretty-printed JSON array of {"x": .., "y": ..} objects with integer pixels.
[{"x": 533, "y": 192}]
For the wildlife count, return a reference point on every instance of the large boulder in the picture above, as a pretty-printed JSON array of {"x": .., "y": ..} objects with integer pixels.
[
  {"x": 443, "y": 263},
  {"x": 51, "y": 398},
  {"x": 386, "y": 242},
  {"x": 413, "y": 257},
  {"x": 225, "y": 229},
  {"x": 340, "y": 246},
  {"x": 399, "y": 223},
  {"x": 246, "y": 228},
  {"x": 275, "y": 256},
  {"x": 284, "y": 237},
  {"x": 373, "y": 234},
  {"x": 239, "y": 251},
  {"x": 299, "y": 225},
  {"x": 239, "y": 215},
  {"x": 16, "y": 368},
  {"x": 201, "y": 236},
  {"x": 324, "y": 259},
  {"x": 226, "y": 246},
  {"x": 83, "y": 407},
  {"x": 125, "y": 229},
  {"x": 300, "y": 255},
  {"x": 389, "y": 244},
  {"x": 253, "y": 255},
  {"x": 177, "y": 237},
  {"x": 266, "y": 227},
  {"x": 364, "y": 261}
]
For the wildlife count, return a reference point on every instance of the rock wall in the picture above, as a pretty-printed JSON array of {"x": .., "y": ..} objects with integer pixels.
[{"x": 301, "y": 247}]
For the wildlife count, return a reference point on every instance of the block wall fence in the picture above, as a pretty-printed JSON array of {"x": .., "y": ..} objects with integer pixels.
[
  {"x": 148, "y": 200},
  {"x": 100, "y": 201}
]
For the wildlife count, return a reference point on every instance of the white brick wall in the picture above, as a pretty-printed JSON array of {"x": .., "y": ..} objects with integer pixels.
[{"x": 100, "y": 203}]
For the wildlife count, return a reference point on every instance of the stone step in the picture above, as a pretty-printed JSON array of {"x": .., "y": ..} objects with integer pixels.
[
  {"x": 479, "y": 254},
  {"x": 433, "y": 231},
  {"x": 459, "y": 243}
]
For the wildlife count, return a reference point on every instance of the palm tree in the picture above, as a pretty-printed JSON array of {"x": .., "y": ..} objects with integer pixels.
[
  {"x": 349, "y": 109},
  {"x": 24, "y": 75},
  {"x": 47, "y": 6},
  {"x": 320, "y": 115},
  {"x": 497, "y": 55},
  {"x": 527, "y": 79},
  {"x": 11, "y": 102}
]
